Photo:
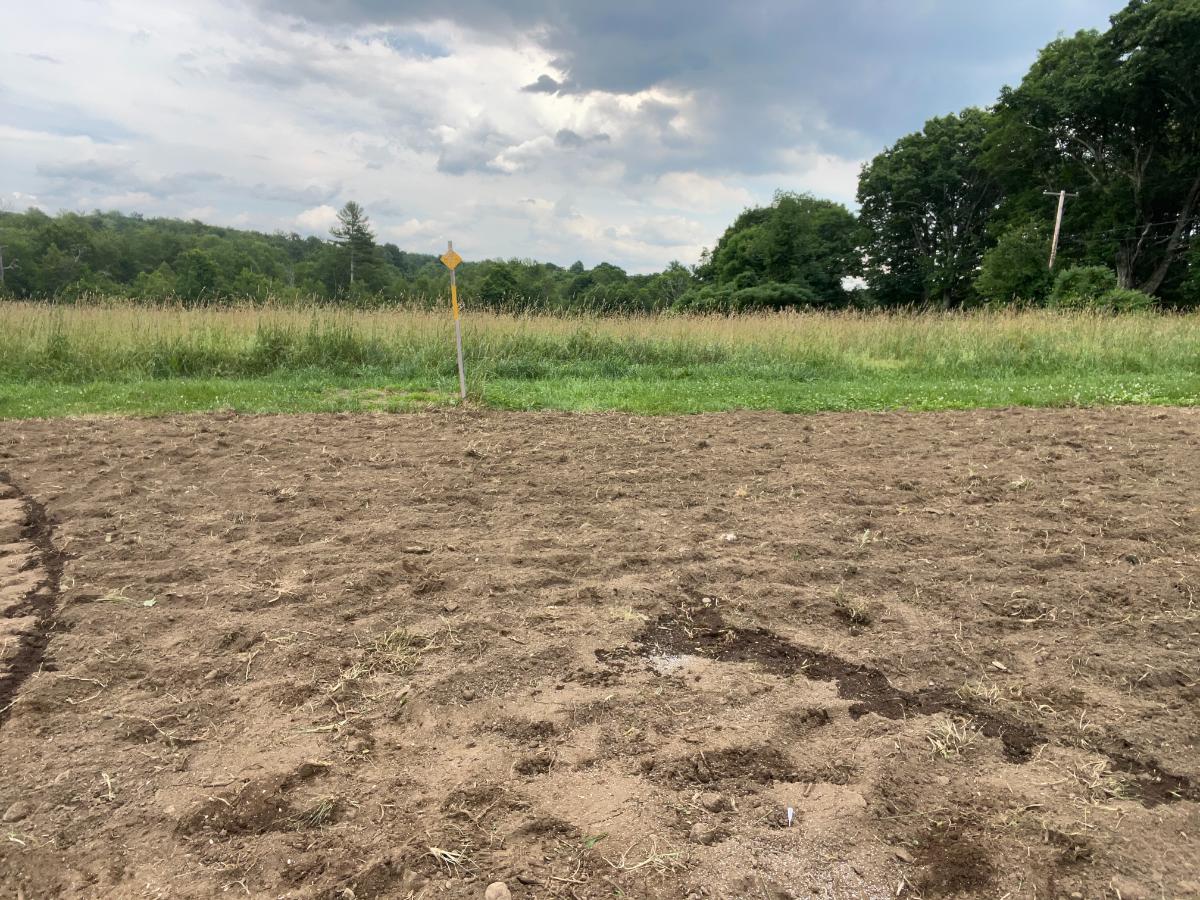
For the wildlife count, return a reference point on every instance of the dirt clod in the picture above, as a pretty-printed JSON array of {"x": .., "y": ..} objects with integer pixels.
[
  {"x": 712, "y": 801},
  {"x": 534, "y": 764}
]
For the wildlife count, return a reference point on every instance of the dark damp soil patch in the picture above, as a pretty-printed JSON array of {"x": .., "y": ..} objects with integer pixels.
[
  {"x": 258, "y": 807},
  {"x": 732, "y": 766},
  {"x": 526, "y": 731},
  {"x": 952, "y": 864},
  {"x": 42, "y": 603},
  {"x": 489, "y": 795},
  {"x": 1072, "y": 849},
  {"x": 702, "y": 631},
  {"x": 534, "y": 764},
  {"x": 549, "y": 828},
  {"x": 839, "y": 773},
  {"x": 1151, "y": 784},
  {"x": 809, "y": 719}
]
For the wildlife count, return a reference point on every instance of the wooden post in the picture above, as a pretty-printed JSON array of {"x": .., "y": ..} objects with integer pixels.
[{"x": 1062, "y": 202}]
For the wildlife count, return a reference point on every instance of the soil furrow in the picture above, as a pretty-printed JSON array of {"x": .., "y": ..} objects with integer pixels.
[{"x": 40, "y": 600}]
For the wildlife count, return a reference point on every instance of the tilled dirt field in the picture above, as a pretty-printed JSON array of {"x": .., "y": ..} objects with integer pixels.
[{"x": 598, "y": 656}]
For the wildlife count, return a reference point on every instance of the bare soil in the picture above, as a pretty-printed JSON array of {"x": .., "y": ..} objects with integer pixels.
[{"x": 357, "y": 656}]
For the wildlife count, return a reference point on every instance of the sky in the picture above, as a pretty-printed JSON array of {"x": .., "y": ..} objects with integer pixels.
[{"x": 627, "y": 131}]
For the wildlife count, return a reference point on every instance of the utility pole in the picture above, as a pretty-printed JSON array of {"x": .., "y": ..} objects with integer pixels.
[
  {"x": 1062, "y": 202},
  {"x": 4, "y": 269}
]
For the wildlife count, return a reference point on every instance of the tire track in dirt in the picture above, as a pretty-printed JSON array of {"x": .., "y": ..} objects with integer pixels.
[
  {"x": 702, "y": 631},
  {"x": 30, "y": 574}
]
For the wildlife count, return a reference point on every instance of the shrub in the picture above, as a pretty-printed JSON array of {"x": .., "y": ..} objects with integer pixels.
[
  {"x": 1015, "y": 269},
  {"x": 774, "y": 295},
  {"x": 1124, "y": 300},
  {"x": 1082, "y": 286},
  {"x": 730, "y": 299},
  {"x": 1190, "y": 288}
]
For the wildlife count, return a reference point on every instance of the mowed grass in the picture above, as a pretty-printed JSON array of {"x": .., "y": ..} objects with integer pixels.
[{"x": 121, "y": 358}]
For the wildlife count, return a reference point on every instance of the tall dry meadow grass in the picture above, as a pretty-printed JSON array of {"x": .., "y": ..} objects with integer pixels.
[
  {"x": 125, "y": 358},
  {"x": 119, "y": 340}
]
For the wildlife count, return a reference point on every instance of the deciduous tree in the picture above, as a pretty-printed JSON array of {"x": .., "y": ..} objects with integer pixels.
[
  {"x": 1115, "y": 117},
  {"x": 926, "y": 205}
]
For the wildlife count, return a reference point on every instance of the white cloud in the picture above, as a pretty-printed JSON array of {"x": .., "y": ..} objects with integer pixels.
[
  {"x": 700, "y": 193},
  {"x": 17, "y": 201},
  {"x": 318, "y": 219},
  {"x": 427, "y": 231},
  {"x": 822, "y": 174},
  {"x": 222, "y": 108},
  {"x": 125, "y": 200}
]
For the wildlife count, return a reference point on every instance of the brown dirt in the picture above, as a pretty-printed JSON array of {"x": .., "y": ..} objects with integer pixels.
[{"x": 594, "y": 656}]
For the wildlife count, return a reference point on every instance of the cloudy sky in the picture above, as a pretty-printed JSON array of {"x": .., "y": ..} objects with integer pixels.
[{"x": 631, "y": 131}]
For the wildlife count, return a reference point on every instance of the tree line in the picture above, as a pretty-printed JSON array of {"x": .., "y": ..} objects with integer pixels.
[
  {"x": 74, "y": 256},
  {"x": 954, "y": 215}
]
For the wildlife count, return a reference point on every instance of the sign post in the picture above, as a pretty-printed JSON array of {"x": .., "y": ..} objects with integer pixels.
[{"x": 450, "y": 260}]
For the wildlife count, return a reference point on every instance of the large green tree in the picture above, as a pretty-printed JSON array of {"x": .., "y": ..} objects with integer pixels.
[
  {"x": 798, "y": 250},
  {"x": 198, "y": 277},
  {"x": 926, "y": 204},
  {"x": 1114, "y": 117}
]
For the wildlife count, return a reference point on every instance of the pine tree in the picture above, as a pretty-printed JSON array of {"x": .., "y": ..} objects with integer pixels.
[{"x": 353, "y": 233}]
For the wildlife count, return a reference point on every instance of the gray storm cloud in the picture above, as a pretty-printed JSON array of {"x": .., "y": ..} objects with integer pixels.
[{"x": 653, "y": 123}]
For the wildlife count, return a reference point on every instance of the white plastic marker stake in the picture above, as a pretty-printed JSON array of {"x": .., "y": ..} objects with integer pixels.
[
  {"x": 791, "y": 815},
  {"x": 450, "y": 260}
]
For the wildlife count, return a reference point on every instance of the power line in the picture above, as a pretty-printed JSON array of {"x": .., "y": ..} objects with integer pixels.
[{"x": 1121, "y": 230}]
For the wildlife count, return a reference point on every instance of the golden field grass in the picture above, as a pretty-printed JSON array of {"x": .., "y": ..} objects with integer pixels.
[{"x": 102, "y": 357}]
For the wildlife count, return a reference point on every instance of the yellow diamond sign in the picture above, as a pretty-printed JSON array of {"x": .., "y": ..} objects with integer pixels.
[{"x": 450, "y": 259}]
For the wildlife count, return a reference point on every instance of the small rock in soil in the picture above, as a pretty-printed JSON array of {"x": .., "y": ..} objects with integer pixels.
[
  {"x": 497, "y": 890},
  {"x": 704, "y": 834},
  {"x": 17, "y": 811},
  {"x": 712, "y": 801}
]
